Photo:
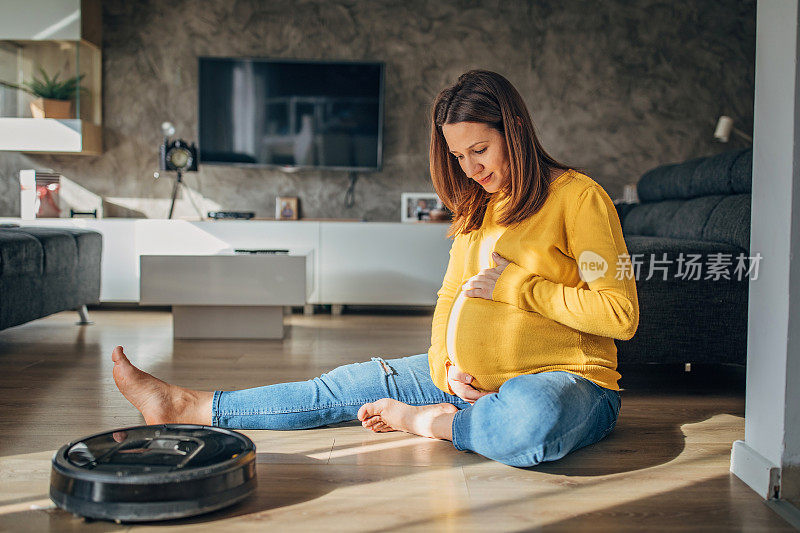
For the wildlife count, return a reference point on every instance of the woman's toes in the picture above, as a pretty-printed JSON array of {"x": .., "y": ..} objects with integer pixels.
[
  {"x": 374, "y": 408},
  {"x": 366, "y": 411},
  {"x": 118, "y": 355},
  {"x": 376, "y": 425}
]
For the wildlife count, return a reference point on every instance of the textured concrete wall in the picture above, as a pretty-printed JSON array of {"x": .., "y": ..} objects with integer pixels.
[{"x": 614, "y": 87}]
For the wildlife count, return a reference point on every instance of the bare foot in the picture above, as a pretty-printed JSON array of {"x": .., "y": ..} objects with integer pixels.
[
  {"x": 158, "y": 401},
  {"x": 434, "y": 421}
]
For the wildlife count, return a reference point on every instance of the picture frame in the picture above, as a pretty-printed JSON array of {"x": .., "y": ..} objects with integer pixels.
[
  {"x": 416, "y": 206},
  {"x": 287, "y": 208}
]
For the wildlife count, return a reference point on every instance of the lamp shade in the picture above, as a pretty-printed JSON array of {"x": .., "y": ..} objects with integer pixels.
[{"x": 724, "y": 128}]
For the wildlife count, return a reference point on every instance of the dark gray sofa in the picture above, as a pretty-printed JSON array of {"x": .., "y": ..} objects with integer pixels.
[
  {"x": 701, "y": 206},
  {"x": 47, "y": 270}
]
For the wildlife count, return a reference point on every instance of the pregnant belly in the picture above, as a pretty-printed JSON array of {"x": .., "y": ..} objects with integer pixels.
[
  {"x": 489, "y": 339},
  {"x": 452, "y": 325}
]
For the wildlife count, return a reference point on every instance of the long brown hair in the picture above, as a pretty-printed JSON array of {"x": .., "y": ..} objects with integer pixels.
[{"x": 489, "y": 98}]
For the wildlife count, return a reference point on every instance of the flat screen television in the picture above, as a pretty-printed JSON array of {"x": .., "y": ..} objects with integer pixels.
[{"x": 291, "y": 114}]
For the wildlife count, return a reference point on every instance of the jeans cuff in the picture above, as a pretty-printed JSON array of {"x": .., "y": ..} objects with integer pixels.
[
  {"x": 457, "y": 437},
  {"x": 215, "y": 407}
]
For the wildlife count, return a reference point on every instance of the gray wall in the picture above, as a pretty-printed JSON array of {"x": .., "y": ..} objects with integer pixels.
[{"x": 614, "y": 87}]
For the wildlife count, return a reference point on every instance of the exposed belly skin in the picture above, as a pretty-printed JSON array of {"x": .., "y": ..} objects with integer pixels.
[{"x": 452, "y": 325}]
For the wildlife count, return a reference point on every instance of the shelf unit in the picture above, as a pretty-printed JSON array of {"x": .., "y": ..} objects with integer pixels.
[{"x": 61, "y": 37}]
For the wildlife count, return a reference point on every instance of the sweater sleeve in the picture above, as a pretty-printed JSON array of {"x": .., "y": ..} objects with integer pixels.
[
  {"x": 438, "y": 359},
  {"x": 609, "y": 306}
]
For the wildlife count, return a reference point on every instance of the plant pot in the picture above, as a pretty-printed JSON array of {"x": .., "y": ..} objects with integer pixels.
[{"x": 48, "y": 108}]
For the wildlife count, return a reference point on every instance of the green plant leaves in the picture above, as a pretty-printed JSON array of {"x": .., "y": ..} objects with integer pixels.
[
  {"x": 47, "y": 87},
  {"x": 14, "y": 86}
]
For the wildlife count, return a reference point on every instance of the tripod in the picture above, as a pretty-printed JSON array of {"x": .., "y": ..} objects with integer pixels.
[{"x": 179, "y": 183}]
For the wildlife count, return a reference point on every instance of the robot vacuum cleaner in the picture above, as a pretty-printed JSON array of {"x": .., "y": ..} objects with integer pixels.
[{"x": 148, "y": 473}]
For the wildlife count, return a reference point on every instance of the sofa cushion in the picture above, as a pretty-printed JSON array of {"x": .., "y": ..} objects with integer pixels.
[
  {"x": 47, "y": 270},
  {"x": 647, "y": 245},
  {"x": 695, "y": 318},
  {"x": 742, "y": 173},
  {"x": 723, "y": 174},
  {"x": 679, "y": 219},
  {"x": 20, "y": 299},
  {"x": 666, "y": 255},
  {"x": 89, "y": 244},
  {"x": 689, "y": 321},
  {"x": 667, "y": 182},
  {"x": 90, "y": 248},
  {"x": 20, "y": 278},
  {"x": 689, "y": 238},
  {"x": 722, "y": 219},
  {"x": 729, "y": 222},
  {"x": 20, "y": 254},
  {"x": 666, "y": 252},
  {"x": 60, "y": 249}
]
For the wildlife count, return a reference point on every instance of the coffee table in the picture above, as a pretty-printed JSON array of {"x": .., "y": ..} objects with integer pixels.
[{"x": 225, "y": 295}]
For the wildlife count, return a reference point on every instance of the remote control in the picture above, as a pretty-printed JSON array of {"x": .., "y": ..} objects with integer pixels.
[{"x": 261, "y": 251}]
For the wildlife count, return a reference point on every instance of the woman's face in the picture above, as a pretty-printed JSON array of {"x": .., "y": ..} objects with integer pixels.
[{"x": 481, "y": 151}]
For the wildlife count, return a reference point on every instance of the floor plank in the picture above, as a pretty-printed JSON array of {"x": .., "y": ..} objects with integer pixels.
[{"x": 664, "y": 467}]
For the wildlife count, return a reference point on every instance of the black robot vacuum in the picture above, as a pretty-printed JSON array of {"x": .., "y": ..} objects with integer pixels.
[{"x": 148, "y": 473}]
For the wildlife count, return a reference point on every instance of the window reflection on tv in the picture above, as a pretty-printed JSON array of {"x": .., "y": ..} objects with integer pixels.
[{"x": 268, "y": 112}]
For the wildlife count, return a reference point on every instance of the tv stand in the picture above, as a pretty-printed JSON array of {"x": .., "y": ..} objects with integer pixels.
[{"x": 349, "y": 263}]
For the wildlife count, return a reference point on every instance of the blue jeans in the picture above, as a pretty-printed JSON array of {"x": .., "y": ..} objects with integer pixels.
[{"x": 533, "y": 418}]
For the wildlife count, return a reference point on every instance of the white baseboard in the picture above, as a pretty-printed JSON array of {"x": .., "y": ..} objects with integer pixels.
[{"x": 751, "y": 467}]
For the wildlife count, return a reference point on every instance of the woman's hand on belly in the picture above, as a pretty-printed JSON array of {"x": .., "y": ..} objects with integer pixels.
[
  {"x": 459, "y": 382},
  {"x": 481, "y": 285}
]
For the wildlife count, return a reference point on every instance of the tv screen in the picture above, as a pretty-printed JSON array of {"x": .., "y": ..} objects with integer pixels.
[{"x": 268, "y": 112}]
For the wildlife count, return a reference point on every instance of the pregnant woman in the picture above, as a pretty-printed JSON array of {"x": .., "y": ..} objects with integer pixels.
[{"x": 522, "y": 363}]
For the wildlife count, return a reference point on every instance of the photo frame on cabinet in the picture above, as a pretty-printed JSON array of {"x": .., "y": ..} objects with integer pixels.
[{"x": 417, "y": 206}]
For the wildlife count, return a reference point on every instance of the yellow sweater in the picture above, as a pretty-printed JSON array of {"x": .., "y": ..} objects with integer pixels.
[{"x": 543, "y": 316}]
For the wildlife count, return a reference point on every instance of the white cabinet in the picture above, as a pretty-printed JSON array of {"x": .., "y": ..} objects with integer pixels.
[
  {"x": 371, "y": 263},
  {"x": 382, "y": 263}
]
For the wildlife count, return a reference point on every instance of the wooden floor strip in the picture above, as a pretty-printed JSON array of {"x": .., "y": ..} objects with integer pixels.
[{"x": 665, "y": 466}]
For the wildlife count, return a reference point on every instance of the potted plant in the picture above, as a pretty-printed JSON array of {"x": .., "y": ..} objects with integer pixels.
[{"x": 54, "y": 98}]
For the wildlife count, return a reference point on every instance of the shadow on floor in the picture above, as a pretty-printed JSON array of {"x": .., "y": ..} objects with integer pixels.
[{"x": 648, "y": 431}]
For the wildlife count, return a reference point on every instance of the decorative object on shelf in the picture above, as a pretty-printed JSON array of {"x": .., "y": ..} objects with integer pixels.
[
  {"x": 722, "y": 132},
  {"x": 629, "y": 194},
  {"x": 441, "y": 214},
  {"x": 179, "y": 156},
  {"x": 287, "y": 208},
  {"x": 54, "y": 98},
  {"x": 50, "y": 108},
  {"x": 45, "y": 194},
  {"x": 231, "y": 215},
  {"x": 83, "y": 214},
  {"x": 417, "y": 206}
]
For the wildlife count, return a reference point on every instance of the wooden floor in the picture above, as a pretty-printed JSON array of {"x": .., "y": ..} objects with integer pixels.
[{"x": 665, "y": 466}]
